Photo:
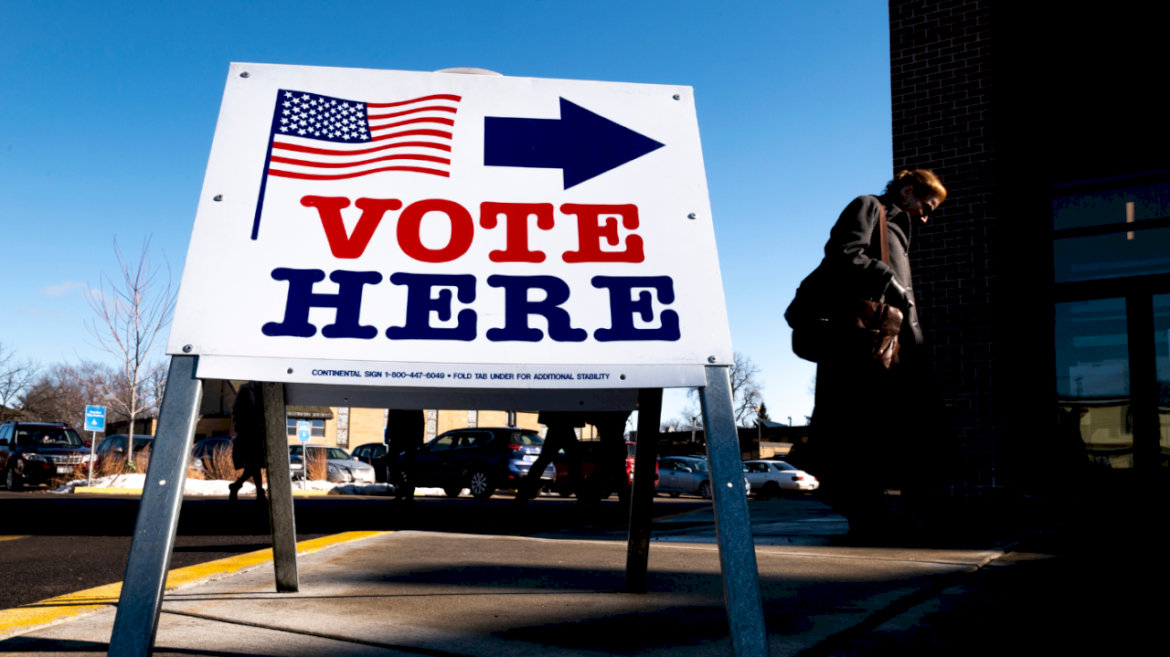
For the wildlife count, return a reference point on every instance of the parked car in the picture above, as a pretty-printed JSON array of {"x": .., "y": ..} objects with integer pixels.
[
  {"x": 340, "y": 467},
  {"x": 770, "y": 477},
  {"x": 687, "y": 474},
  {"x": 564, "y": 487},
  {"x": 115, "y": 446},
  {"x": 34, "y": 452},
  {"x": 375, "y": 455},
  {"x": 483, "y": 459}
]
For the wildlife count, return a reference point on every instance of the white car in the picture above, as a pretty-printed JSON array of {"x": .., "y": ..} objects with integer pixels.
[
  {"x": 770, "y": 477},
  {"x": 340, "y": 467}
]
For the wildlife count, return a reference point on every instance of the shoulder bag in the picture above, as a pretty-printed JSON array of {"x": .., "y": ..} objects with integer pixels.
[{"x": 826, "y": 327}]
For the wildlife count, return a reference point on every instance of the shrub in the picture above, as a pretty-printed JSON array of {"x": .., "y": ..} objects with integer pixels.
[
  {"x": 111, "y": 464},
  {"x": 220, "y": 466},
  {"x": 142, "y": 459},
  {"x": 315, "y": 464}
]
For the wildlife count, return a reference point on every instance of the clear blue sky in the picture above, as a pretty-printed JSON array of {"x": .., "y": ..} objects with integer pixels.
[{"x": 108, "y": 110}]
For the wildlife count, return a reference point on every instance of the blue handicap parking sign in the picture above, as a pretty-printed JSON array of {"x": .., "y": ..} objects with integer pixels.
[
  {"x": 95, "y": 418},
  {"x": 303, "y": 430}
]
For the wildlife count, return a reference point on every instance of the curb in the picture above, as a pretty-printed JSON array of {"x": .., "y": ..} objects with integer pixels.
[{"x": 37, "y": 615}]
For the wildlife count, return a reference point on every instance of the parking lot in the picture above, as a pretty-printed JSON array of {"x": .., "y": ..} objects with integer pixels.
[{"x": 54, "y": 544}]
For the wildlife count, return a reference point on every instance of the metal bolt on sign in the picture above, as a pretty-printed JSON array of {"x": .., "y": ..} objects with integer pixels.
[
  {"x": 244, "y": 74},
  {"x": 218, "y": 197},
  {"x": 692, "y": 216},
  {"x": 186, "y": 348}
]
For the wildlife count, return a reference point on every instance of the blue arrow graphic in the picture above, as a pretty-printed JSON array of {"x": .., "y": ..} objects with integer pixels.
[{"x": 582, "y": 144}]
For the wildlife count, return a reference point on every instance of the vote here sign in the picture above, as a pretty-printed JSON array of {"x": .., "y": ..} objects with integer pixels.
[{"x": 391, "y": 228}]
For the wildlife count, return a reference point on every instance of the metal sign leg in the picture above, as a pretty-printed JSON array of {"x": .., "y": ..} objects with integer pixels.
[
  {"x": 642, "y": 495},
  {"x": 280, "y": 497},
  {"x": 737, "y": 554},
  {"x": 158, "y": 515}
]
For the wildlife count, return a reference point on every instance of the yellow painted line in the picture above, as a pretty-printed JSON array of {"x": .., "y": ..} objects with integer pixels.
[
  {"x": 9, "y": 538},
  {"x": 107, "y": 491},
  {"x": 138, "y": 491},
  {"x": 83, "y": 603}
]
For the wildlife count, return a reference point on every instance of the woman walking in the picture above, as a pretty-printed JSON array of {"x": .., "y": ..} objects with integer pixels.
[{"x": 868, "y": 416}]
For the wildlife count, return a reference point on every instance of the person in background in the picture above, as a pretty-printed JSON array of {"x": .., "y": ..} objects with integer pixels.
[
  {"x": 609, "y": 471},
  {"x": 248, "y": 452},
  {"x": 405, "y": 431},
  {"x": 561, "y": 435}
]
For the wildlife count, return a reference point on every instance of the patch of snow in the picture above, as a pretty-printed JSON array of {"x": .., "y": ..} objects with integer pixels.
[{"x": 201, "y": 487}]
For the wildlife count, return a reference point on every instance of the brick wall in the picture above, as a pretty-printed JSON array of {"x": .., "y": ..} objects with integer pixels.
[
  {"x": 366, "y": 425},
  {"x": 940, "y": 60}
]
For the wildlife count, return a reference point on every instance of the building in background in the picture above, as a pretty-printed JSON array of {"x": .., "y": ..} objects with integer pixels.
[
  {"x": 345, "y": 427},
  {"x": 1044, "y": 280}
]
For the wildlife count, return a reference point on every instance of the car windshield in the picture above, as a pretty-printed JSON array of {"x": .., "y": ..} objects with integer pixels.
[
  {"x": 631, "y": 450},
  {"x": 699, "y": 465},
  {"x": 782, "y": 466},
  {"x": 334, "y": 453},
  {"x": 46, "y": 437},
  {"x": 525, "y": 439}
]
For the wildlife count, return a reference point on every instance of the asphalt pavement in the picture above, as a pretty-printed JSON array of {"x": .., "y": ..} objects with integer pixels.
[{"x": 51, "y": 545}]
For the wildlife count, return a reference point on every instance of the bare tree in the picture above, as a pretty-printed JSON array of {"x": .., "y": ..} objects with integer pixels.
[
  {"x": 746, "y": 393},
  {"x": 16, "y": 374},
  {"x": 131, "y": 312},
  {"x": 62, "y": 391}
]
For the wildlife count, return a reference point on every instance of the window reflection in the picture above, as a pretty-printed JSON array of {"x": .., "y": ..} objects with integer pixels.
[
  {"x": 1162, "y": 357},
  {"x": 1127, "y": 253},
  {"x": 1111, "y": 206},
  {"x": 1092, "y": 378}
]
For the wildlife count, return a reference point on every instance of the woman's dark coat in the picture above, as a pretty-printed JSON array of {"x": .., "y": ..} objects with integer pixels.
[{"x": 853, "y": 267}]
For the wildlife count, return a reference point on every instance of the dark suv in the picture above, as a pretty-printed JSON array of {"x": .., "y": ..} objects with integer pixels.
[
  {"x": 482, "y": 459},
  {"x": 34, "y": 452}
]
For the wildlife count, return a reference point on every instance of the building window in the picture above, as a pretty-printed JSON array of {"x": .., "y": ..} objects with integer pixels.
[
  {"x": 1112, "y": 233},
  {"x": 317, "y": 427},
  {"x": 1111, "y": 256}
]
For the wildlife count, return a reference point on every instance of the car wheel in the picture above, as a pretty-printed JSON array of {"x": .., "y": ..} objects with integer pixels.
[
  {"x": 453, "y": 491},
  {"x": 12, "y": 480},
  {"x": 675, "y": 495},
  {"x": 481, "y": 485},
  {"x": 705, "y": 490}
]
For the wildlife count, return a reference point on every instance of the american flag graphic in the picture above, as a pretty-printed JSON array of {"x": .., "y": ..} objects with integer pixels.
[{"x": 316, "y": 137}]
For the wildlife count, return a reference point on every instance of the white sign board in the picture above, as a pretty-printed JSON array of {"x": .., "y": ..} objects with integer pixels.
[{"x": 389, "y": 228}]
